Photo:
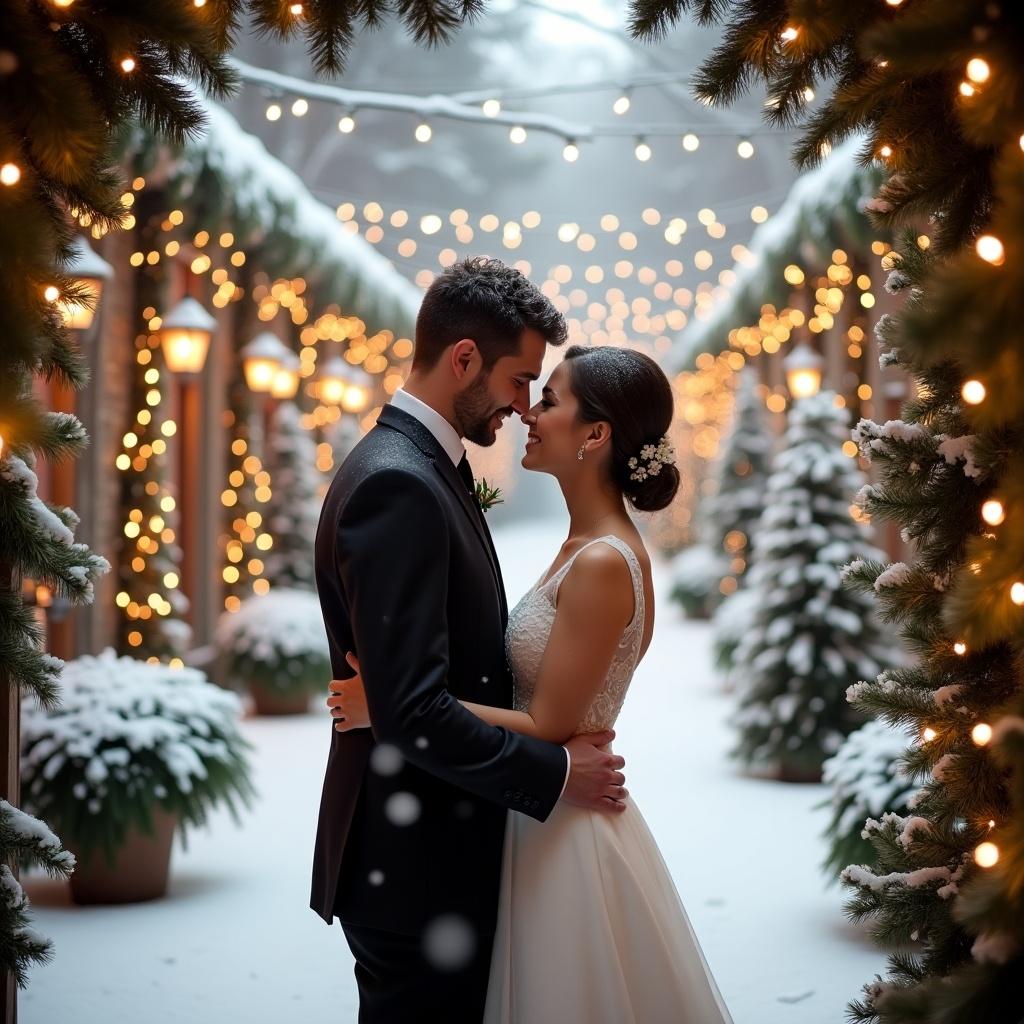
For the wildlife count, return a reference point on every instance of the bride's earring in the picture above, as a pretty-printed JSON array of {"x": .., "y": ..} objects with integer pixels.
[{"x": 579, "y": 454}]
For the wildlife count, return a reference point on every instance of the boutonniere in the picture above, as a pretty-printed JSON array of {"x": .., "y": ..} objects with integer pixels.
[{"x": 487, "y": 496}]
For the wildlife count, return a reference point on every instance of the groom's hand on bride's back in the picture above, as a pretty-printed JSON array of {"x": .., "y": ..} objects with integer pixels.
[{"x": 595, "y": 776}]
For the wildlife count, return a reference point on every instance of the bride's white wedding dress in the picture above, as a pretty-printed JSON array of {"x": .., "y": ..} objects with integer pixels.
[{"x": 590, "y": 927}]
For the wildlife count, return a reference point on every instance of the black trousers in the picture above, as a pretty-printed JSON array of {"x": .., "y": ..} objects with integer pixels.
[{"x": 399, "y": 985}]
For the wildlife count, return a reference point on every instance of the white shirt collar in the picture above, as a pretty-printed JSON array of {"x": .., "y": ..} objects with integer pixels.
[{"x": 447, "y": 436}]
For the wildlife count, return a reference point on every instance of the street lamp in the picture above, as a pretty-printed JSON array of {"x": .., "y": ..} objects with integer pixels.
[
  {"x": 286, "y": 377},
  {"x": 357, "y": 396},
  {"x": 90, "y": 272},
  {"x": 333, "y": 380},
  {"x": 803, "y": 367},
  {"x": 261, "y": 359},
  {"x": 185, "y": 335}
]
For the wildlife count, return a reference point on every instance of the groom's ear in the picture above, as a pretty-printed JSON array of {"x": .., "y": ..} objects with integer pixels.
[{"x": 465, "y": 359}]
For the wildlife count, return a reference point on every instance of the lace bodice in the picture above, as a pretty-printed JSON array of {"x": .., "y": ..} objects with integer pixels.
[{"x": 529, "y": 626}]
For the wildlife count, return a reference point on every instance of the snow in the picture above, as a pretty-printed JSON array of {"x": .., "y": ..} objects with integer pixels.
[
  {"x": 894, "y": 576},
  {"x": 281, "y": 624},
  {"x": 235, "y": 940},
  {"x": 954, "y": 448}
]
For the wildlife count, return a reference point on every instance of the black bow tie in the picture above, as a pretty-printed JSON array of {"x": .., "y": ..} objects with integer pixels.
[{"x": 467, "y": 474}]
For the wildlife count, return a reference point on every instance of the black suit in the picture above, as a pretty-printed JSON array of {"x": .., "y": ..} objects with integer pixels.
[{"x": 408, "y": 579}]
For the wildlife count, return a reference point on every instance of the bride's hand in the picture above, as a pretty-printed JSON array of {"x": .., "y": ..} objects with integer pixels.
[{"x": 348, "y": 700}]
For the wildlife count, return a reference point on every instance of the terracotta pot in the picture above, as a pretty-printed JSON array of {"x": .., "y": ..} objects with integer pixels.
[
  {"x": 790, "y": 771},
  {"x": 272, "y": 702},
  {"x": 139, "y": 871}
]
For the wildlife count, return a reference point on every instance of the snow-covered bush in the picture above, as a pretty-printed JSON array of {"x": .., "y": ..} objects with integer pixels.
[
  {"x": 866, "y": 782},
  {"x": 276, "y": 641},
  {"x": 696, "y": 573},
  {"x": 127, "y": 737}
]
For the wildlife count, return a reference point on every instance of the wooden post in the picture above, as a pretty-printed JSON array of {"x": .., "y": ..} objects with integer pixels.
[{"x": 10, "y": 755}]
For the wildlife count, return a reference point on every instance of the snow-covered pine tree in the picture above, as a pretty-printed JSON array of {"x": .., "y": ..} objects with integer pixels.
[
  {"x": 294, "y": 506},
  {"x": 865, "y": 782},
  {"x": 810, "y": 639},
  {"x": 733, "y": 511}
]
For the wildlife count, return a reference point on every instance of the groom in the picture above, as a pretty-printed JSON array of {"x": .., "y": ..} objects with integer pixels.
[{"x": 412, "y": 816}]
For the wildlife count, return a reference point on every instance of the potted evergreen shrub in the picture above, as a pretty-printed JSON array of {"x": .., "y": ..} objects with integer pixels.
[
  {"x": 133, "y": 752},
  {"x": 276, "y": 646}
]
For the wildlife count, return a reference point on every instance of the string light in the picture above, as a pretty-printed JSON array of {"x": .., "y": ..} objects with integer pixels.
[
  {"x": 300, "y": 106},
  {"x": 622, "y": 104},
  {"x": 973, "y": 392},
  {"x": 894, "y": 3},
  {"x": 642, "y": 151},
  {"x": 789, "y": 33},
  {"x": 928, "y": 735},
  {"x": 571, "y": 153},
  {"x": 992, "y": 512},
  {"x": 745, "y": 149},
  {"x": 1017, "y": 593},
  {"x": 491, "y": 108},
  {"x": 981, "y": 733},
  {"x": 517, "y": 135},
  {"x": 690, "y": 142},
  {"x": 885, "y": 151},
  {"x": 986, "y": 855},
  {"x": 199, "y": 3},
  {"x": 10, "y": 174},
  {"x": 978, "y": 70},
  {"x": 128, "y": 64},
  {"x": 274, "y": 112},
  {"x": 990, "y": 249},
  {"x": 295, "y": 10},
  {"x": 966, "y": 89},
  {"x": 423, "y": 132},
  {"x": 347, "y": 124},
  {"x": 960, "y": 647}
]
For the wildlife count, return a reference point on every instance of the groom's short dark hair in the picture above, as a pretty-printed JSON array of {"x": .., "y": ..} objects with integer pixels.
[{"x": 488, "y": 301}]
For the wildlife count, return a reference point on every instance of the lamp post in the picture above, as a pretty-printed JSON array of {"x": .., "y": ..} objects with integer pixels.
[
  {"x": 271, "y": 371},
  {"x": 185, "y": 336},
  {"x": 803, "y": 367},
  {"x": 90, "y": 272}
]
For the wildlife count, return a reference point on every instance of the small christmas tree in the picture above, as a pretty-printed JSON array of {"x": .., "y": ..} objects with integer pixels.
[
  {"x": 734, "y": 510},
  {"x": 294, "y": 506},
  {"x": 810, "y": 639}
]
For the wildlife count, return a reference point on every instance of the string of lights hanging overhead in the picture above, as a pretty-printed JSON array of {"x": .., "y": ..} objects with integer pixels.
[{"x": 428, "y": 109}]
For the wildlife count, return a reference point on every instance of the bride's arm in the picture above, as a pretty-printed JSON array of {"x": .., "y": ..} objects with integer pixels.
[{"x": 594, "y": 606}]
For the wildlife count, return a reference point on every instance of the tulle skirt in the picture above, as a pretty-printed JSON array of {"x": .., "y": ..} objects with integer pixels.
[{"x": 591, "y": 929}]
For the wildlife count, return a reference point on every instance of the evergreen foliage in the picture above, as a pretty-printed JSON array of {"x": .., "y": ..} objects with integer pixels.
[
  {"x": 810, "y": 639},
  {"x": 294, "y": 507},
  {"x": 937, "y": 89}
]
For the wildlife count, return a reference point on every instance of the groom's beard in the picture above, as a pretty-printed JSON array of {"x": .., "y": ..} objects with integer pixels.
[{"x": 474, "y": 410}]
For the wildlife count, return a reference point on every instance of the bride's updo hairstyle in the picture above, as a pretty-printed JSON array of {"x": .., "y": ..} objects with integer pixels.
[{"x": 631, "y": 392}]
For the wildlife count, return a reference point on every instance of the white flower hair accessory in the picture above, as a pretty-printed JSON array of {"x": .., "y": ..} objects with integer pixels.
[{"x": 652, "y": 458}]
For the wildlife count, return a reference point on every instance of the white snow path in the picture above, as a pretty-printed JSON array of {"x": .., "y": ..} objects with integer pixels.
[{"x": 235, "y": 939}]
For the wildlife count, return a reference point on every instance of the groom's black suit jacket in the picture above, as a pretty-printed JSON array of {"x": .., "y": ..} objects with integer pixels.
[{"x": 408, "y": 579}]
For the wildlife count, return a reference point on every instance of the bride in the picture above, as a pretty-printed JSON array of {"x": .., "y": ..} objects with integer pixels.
[{"x": 590, "y": 928}]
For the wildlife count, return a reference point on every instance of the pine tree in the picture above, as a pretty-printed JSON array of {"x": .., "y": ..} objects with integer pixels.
[
  {"x": 294, "y": 507},
  {"x": 810, "y": 639},
  {"x": 936, "y": 89},
  {"x": 739, "y": 498}
]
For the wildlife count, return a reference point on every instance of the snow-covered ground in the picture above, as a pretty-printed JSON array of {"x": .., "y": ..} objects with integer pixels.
[{"x": 235, "y": 940}]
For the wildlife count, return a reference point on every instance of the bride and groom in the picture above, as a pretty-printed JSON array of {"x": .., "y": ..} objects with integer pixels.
[{"x": 450, "y": 711}]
